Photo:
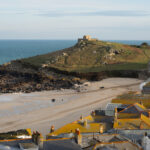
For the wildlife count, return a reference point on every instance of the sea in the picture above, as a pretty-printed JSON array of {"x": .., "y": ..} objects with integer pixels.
[{"x": 17, "y": 49}]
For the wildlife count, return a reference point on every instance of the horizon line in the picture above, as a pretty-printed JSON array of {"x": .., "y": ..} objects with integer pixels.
[{"x": 77, "y": 39}]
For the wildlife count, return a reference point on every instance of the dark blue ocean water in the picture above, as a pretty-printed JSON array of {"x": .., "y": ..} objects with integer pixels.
[{"x": 16, "y": 49}]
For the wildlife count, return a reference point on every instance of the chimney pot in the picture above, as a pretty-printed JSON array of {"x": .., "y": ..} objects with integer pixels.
[
  {"x": 78, "y": 136},
  {"x": 149, "y": 114},
  {"x": 52, "y": 129}
]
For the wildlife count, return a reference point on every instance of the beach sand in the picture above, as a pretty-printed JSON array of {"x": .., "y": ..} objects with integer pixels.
[{"x": 38, "y": 112}]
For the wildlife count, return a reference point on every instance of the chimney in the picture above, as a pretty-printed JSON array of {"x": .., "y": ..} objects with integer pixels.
[
  {"x": 141, "y": 125},
  {"x": 93, "y": 113},
  {"x": 81, "y": 117},
  {"x": 145, "y": 134},
  {"x": 116, "y": 114},
  {"x": 40, "y": 141},
  {"x": 141, "y": 103},
  {"x": 85, "y": 122},
  {"x": 78, "y": 136},
  {"x": 101, "y": 129},
  {"x": 145, "y": 142},
  {"x": 52, "y": 129},
  {"x": 34, "y": 137},
  {"x": 149, "y": 114}
]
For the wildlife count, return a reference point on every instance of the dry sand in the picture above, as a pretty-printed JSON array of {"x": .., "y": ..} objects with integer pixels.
[{"x": 38, "y": 112}]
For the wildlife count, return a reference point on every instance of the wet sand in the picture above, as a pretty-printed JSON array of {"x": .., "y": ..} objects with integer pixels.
[{"x": 38, "y": 112}]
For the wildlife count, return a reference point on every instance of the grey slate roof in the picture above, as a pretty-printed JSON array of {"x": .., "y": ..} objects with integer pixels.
[
  {"x": 28, "y": 146},
  {"x": 108, "y": 148},
  {"x": 132, "y": 109},
  {"x": 67, "y": 144},
  {"x": 15, "y": 144},
  {"x": 117, "y": 138},
  {"x": 61, "y": 145}
]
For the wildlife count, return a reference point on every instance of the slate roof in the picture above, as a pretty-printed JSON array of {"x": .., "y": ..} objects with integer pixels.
[
  {"x": 118, "y": 146},
  {"x": 87, "y": 139},
  {"x": 15, "y": 143},
  {"x": 108, "y": 148},
  {"x": 107, "y": 142},
  {"x": 61, "y": 145},
  {"x": 67, "y": 144},
  {"x": 28, "y": 146},
  {"x": 135, "y": 108},
  {"x": 117, "y": 138}
]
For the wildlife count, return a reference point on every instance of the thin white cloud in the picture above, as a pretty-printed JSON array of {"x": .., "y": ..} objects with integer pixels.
[
  {"x": 54, "y": 13},
  {"x": 118, "y": 13}
]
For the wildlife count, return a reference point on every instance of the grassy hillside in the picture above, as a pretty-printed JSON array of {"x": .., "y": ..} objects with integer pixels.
[{"x": 95, "y": 56}]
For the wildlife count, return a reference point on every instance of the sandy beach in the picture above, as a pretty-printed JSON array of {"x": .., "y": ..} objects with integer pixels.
[{"x": 38, "y": 112}]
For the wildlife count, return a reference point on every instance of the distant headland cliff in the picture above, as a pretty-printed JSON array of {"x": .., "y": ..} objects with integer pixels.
[{"x": 88, "y": 59}]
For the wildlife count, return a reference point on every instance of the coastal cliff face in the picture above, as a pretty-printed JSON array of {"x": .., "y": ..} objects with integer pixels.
[
  {"x": 14, "y": 81},
  {"x": 18, "y": 77},
  {"x": 88, "y": 59}
]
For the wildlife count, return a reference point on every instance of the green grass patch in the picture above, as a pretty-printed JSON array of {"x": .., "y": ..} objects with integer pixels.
[{"x": 126, "y": 66}]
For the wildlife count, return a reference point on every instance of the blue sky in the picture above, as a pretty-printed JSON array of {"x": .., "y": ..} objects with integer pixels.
[{"x": 70, "y": 19}]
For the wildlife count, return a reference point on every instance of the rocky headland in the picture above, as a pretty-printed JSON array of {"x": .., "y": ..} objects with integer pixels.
[{"x": 89, "y": 59}]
